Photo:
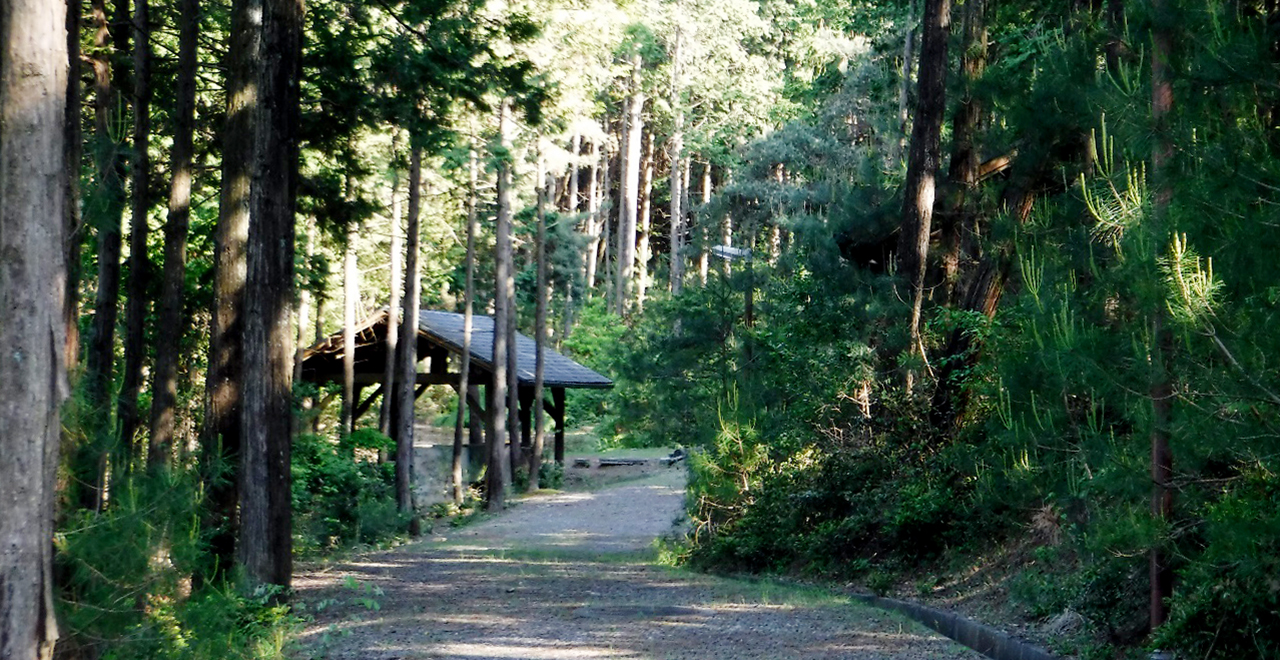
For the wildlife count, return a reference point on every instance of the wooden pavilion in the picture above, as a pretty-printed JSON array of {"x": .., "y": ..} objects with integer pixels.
[{"x": 439, "y": 342}]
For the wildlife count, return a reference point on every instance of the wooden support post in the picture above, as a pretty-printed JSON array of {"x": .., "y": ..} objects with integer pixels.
[
  {"x": 439, "y": 361},
  {"x": 475, "y": 430},
  {"x": 557, "y": 414},
  {"x": 488, "y": 415},
  {"x": 364, "y": 407},
  {"x": 526, "y": 416}
]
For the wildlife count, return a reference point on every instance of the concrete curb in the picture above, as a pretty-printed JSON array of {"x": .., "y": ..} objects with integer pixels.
[{"x": 984, "y": 639}]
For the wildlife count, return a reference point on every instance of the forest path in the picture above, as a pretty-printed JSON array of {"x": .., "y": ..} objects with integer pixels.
[{"x": 570, "y": 575}]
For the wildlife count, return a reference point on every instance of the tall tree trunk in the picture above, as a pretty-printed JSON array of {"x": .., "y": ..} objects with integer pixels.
[
  {"x": 606, "y": 230},
  {"x": 676, "y": 156},
  {"x": 135, "y": 315},
  {"x": 33, "y": 106},
  {"x": 497, "y": 475},
  {"x": 704, "y": 264},
  {"x": 265, "y": 548},
  {"x": 89, "y": 465},
  {"x": 513, "y": 374},
  {"x": 646, "y": 223},
  {"x": 956, "y": 216},
  {"x": 389, "y": 386},
  {"x": 904, "y": 79},
  {"x": 223, "y": 381},
  {"x": 468, "y": 297},
  {"x": 593, "y": 217},
  {"x": 922, "y": 166},
  {"x": 1163, "y": 352},
  {"x": 726, "y": 226},
  {"x": 959, "y": 220},
  {"x": 408, "y": 344},
  {"x": 575, "y": 147},
  {"x": 170, "y": 326},
  {"x": 350, "y": 293},
  {"x": 304, "y": 302},
  {"x": 74, "y": 142},
  {"x": 630, "y": 207},
  {"x": 540, "y": 341}
]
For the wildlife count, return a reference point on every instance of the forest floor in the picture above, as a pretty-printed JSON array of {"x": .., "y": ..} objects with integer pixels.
[{"x": 573, "y": 574}]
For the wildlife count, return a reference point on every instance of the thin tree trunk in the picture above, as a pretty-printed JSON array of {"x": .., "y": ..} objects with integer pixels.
[
  {"x": 1163, "y": 352},
  {"x": 646, "y": 223},
  {"x": 223, "y": 393},
  {"x": 630, "y": 207},
  {"x": 408, "y": 344},
  {"x": 575, "y": 146},
  {"x": 726, "y": 227},
  {"x": 74, "y": 224},
  {"x": 170, "y": 326},
  {"x": 956, "y": 216},
  {"x": 498, "y": 474},
  {"x": 540, "y": 342},
  {"x": 389, "y": 385},
  {"x": 468, "y": 297},
  {"x": 265, "y": 547},
  {"x": 304, "y": 303},
  {"x": 704, "y": 260},
  {"x": 89, "y": 466},
  {"x": 606, "y": 228},
  {"x": 922, "y": 166},
  {"x": 676, "y": 154},
  {"x": 904, "y": 79},
  {"x": 514, "y": 434},
  {"x": 350, "y": 293},
  {"x": 593, "y": 219},
  {"x": 135, "y": 317},
  {"x": 33, "y": 106}
]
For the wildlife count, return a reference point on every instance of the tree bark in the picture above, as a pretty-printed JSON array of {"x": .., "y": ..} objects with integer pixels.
[
  {"x": 135, "y": 316},
  {"x": 646, "y": 223},
  {"x": 630, "y": 179},
  {"x": 389, "y": 386},
  {"x": 676, "y": 156},
  {"x": 223, "y": 383},
  {"x": 304, "y": 303},
  {"x": 33, "y": 188},
  {"x": 74, "y": 223},
  {"x": 957, "y": 216},
  {"x": 575, "y": 147},
  {"x": 350, "y": 293},
  {"x": 89, "y": 465},
  {"x": 922, "y": 166},
  {"x": 408, "y": 344},
  {"x": 540, "y": 341},
  {"x": 171, "y": 325},
  {"x": 704, "y": 260},
  {"x": 1162, "y": 388},
  {"x": 904, "y": 79},
  {"x": 468, "y": 296},
  {"x": 514, "y": 434},
  {"x": 497, "y": 476},
  {"x": 265, "y": 548},
  {"x": 593, "y": 217}
]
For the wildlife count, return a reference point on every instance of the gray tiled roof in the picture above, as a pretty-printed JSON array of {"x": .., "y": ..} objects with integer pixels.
[{"x": 559, "y": 371}]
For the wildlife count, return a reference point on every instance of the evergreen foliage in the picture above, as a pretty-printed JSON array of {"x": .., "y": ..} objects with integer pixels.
[{"x": 1030, "y": 425}]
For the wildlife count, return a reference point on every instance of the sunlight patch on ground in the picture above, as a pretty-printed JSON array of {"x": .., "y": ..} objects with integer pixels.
[{"x": 526, "y": 651}]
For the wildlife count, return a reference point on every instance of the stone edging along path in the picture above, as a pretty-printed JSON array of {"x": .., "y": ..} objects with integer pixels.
[{"x": 983, "y": 639}]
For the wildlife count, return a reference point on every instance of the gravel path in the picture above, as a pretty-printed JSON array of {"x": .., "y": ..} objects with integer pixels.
[{"x": 568, "y": 576}]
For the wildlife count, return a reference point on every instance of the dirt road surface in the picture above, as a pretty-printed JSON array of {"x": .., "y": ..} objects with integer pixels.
[{"x": 569, "y": 576}]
